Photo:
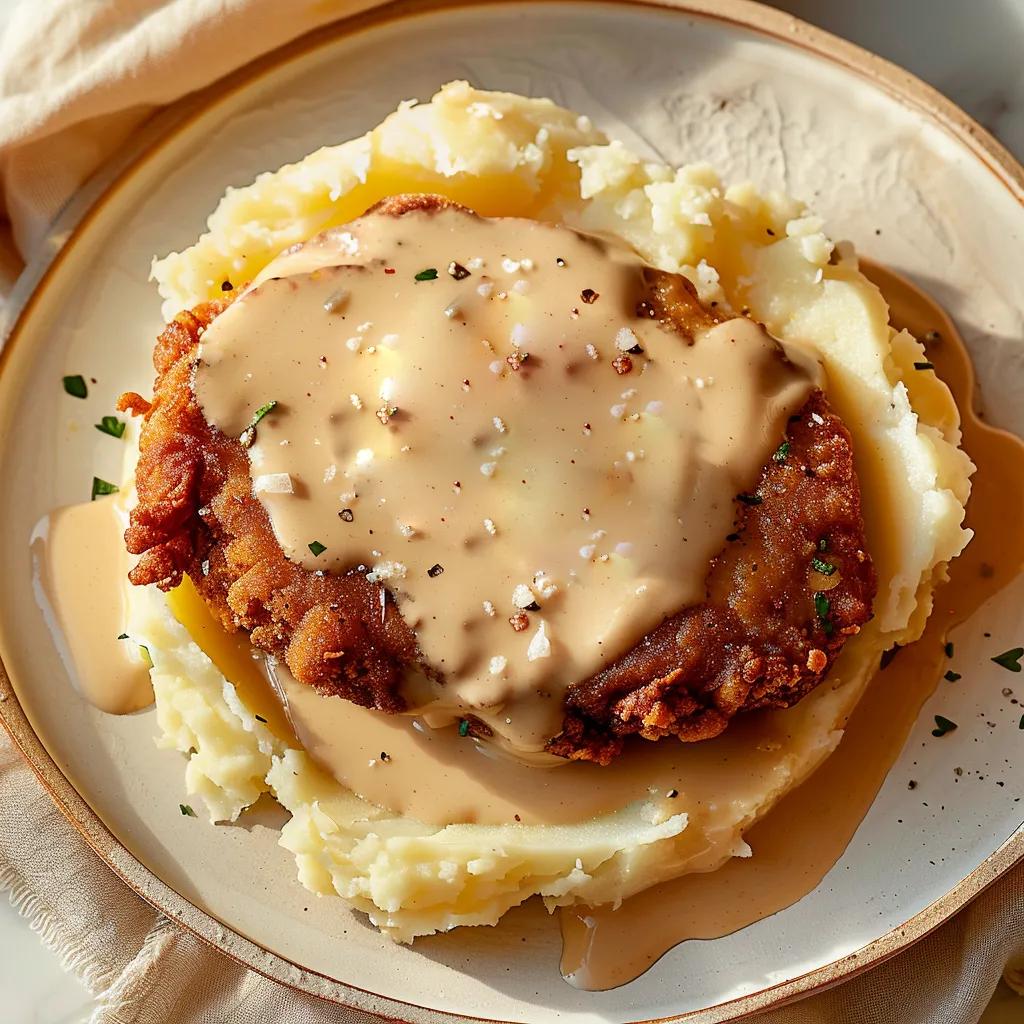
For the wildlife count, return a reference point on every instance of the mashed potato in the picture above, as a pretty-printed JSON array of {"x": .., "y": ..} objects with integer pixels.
[{"x": 504, "y": 155}]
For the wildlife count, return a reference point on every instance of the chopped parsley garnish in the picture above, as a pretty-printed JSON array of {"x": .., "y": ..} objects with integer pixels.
[
  {"x": 782, "y": 451},
  {"x": 825, "y": 568},
  {"x": 317, "y": 548},
  {"x": 943, "y": 725},
  {"x": 75, "y": 386},
  {"x": 435, "y": 570},
  {"x": 750, "y": 499},
  {"x": 111, "y": 425},
  {"x": 123, "y": 636},
  {"x": 1010, "y": 660},
  {"x": 458, "y": 271},
  {"x": 464, "y": 727},
  {"x": 924, "y": 366},
  {"x": 952, "y": 677},
  {"x": 248, "y": 436},
  {"x": 430, "y": 274},
  {"x": 102, "y": 487},
  {"x": 823, "y": 544},
  {"x": 186, "y": 810},
  {"x": 948, "y": 648},
  {"x": 821, "y": 609},
  {"x": 346, "y": 515}
]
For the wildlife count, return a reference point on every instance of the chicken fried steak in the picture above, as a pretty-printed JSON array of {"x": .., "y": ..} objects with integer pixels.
[{"x": 792, "y": 582}]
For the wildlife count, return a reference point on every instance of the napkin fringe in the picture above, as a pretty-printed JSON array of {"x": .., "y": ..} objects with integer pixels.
[{"x": 75, "y": 956}]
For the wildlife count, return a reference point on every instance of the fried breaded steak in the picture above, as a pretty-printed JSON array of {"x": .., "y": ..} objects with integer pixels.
[{"x": 770, "y": 628}]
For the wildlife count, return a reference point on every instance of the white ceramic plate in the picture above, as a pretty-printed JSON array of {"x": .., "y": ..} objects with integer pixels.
[{"x": 760, "y": 97}]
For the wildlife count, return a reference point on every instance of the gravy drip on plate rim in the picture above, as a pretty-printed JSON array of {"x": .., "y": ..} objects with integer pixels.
[
  {"x": 477, "y": 413},
  {"x": 80, "y": 570}
]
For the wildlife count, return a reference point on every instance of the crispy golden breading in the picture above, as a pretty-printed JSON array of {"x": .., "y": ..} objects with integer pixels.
[{"x": 761, "y": 639}]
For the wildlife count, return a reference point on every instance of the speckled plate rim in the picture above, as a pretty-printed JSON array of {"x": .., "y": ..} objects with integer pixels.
[{"x": 74, "y": 222}]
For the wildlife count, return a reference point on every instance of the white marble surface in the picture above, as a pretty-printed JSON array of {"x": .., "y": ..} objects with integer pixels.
[{"x": 970, "y": 50}]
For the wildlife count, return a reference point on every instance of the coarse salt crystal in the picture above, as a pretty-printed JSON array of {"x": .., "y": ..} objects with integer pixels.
[
  {"x": 273, "y": 483},
  {"x": 387, "y": 389},
  {"x": 364, "y": 327},
  {"x": 624, "y": 548},
  {"x": 476, "y": 263},
  {"x": 406, "y": 530},
  {"x": 592, "y": 351},
  {"x": 496, "y": 453},
  {"x": 521, "y": 287},
  {"x": 544, "y": 585},
  {"x": 617, "y": 410},
  {"x": 356, "y": 401},
  {"x": 386, "y": 571},
  {"x": 490, "y": 527},
  {"x": 353, "y": 344},
  {"x": 540, "y": 645},
  {"x": 488, "y": 468},
  {"x": 484, "y": 288},
  {"x": 498, "y": 664},
  {"x": 489, "y": 609},
  {"x": 497, "y": 366},
  {"x": 587, "y": 551},
  {"x": 499, "y": 425},
  {"x": 520, "y": 335},
  {"x": 364, "y": 456},
  {"x": 625, "y": 339},
  {"x": 389, "y": 340},
  {"x": 509, "y": 265},
  {"x": 654, "y": 408},
  {"x": 816, "y": 418},
  {"x": 628, "y": 393},
  {"x": 522, "y": 596},
  {"x": 330, "y": 472}
]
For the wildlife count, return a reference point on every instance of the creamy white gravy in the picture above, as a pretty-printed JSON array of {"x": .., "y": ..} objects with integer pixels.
[{"x": 450, "y": 416}]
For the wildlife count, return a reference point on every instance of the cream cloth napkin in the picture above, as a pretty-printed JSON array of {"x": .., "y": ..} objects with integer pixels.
[{"x": 77, "y": 79}]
